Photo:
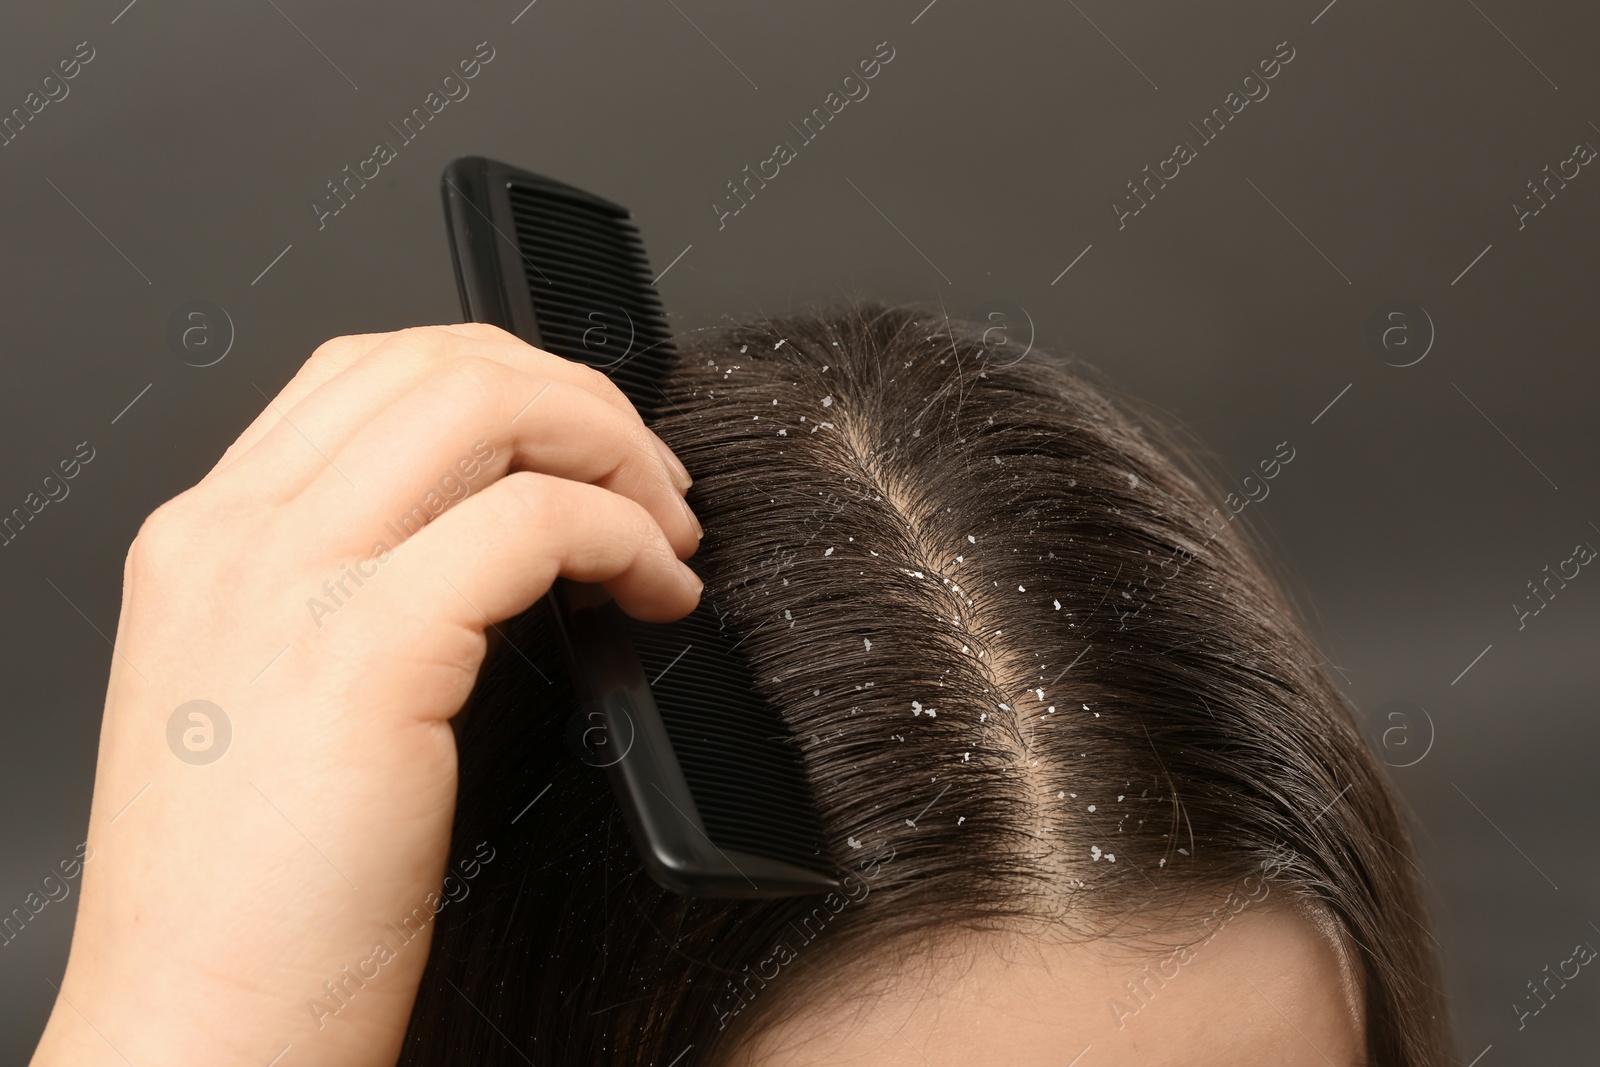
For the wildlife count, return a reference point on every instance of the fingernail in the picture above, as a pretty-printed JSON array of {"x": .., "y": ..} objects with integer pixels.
[
  {"x": 699, "y": 531},
  {"x": 675, "y": 468},
  {"x": 694, "y": 579}
]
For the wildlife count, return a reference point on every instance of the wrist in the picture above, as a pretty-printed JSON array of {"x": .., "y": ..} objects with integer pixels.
[{"x": 114, "y": 1010}]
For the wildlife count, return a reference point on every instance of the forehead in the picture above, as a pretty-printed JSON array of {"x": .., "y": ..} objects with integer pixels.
[{"x": 1271, "y": 986}]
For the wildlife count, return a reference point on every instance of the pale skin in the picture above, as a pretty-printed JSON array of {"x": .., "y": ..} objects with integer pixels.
[
  {"x": 1271, "y": 988},
  {"x": 218, "y": 898}
]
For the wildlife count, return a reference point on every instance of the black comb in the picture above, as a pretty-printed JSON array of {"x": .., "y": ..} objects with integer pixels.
[{"x": 706, "y": 771}]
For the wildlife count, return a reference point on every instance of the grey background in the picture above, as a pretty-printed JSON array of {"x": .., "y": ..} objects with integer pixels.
[{"x": 1381, "y": 166}]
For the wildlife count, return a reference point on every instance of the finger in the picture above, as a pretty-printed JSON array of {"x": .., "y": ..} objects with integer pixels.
[
  {"x": 466, "y": 425},
  {"x": 491, "y": 556},
  {"x": 288, "y": 453},
  {"x": 513, "y": 350},
  {"x": 329, "y": 358}
]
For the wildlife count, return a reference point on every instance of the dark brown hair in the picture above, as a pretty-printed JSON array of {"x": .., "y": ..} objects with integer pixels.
[{"x": 1036, "y": 671}]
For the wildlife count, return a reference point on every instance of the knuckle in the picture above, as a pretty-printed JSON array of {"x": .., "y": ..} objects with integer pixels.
[
  {"x": 639, "y": 526},
  {"x": 406, "y": 358},
  {"x": 483, "y": 330},
  {"x": 479, "y": 379},
  {"x": 337, "y": 350},
  {"x": 433, "y": 335},
  {"x": 429, "y": 344},
  {"x": 600, "y": 382},
  {"x": 601, "y": 528},
  {"x": 163, "y": 539},
  {"x": 532, "y": 496},
  {"x": 595, "y": 378}
]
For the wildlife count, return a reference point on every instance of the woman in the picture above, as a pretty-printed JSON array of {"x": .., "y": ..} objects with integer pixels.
[{"x": 1095, "y": 798}]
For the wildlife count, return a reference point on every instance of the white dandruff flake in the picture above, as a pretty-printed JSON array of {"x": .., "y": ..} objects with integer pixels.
[
  {"x": 1020, "y": 589},
  {"x": 982, "y": 715},
  {"x": 1094, "y": 851},
  {"x": 865, "y": 640},
  {"x": 961, "y": 559},
  {"x": 961, "y": 820},
  {"x": 1133, "y": 481},
  {"x": 783, "y": 433},
  {"x": 744, "y": 348},
  {"x": 1183, "y": 852},
  {"x": 1091, "y": 807},
  {"x": 1039, "y": 693},
  {"x": 852, "y": 842},
  {"x": 1111, "y": 857},
  {"x": 827, "y": 401},
  {"x": 829, "y": 552},
  {"x": 1058, "y": 605},
  {"x": 1061, "y": 795},
  {"x": 1162, "y": 862},
  {"x": 971, "y": 540},
  {"x": 780, "y": 344}
]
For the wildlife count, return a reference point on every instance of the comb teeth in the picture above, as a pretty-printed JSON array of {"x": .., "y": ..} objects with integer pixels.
[
  {"x": 711, "y": 786},
  {"x": 741, "y": 761},
  {"x": 587, "y": 271}
]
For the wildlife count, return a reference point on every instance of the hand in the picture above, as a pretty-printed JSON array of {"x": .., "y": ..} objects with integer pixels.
[{"x": 328, "y": 586}]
